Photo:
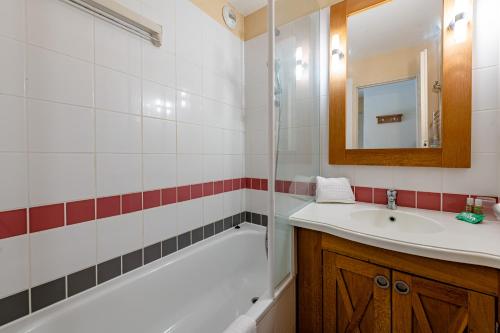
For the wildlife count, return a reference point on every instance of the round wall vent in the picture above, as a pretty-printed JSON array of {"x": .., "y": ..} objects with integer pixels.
[{"x": 229, "y": 17}]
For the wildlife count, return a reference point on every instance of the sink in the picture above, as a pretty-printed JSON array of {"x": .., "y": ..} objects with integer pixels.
[{"x": 397, "y": 221}]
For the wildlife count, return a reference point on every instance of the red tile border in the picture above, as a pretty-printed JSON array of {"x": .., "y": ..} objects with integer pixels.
[
  {"x": 196, "y": 191},
  {"x": 183, "y": 193},
  {"x": 406, "y": 198},
  {"x": 46, "y": 217},
  {"x": 288, "y": 187},
  {"x": 364, "y": 194},
  {"x": 429, "y": 200},
  {"x": 312, "y": 189},
  {"x": 53, "y": 216},
  {"x": 380, "y": 196},
  {"x": 80, "y": 211},
  {"x": 131, "y": 202},
  {"x": 255, "y": 184},
  {"x": 279, "y": 186},
  {"x": 301, "y": 188},
  {"x": 263, "y": 185},
  {"x": 208, "y": 189},
  {"x": 454, "y": 203},
  {"x": 13, "y": 223},
  {"x": 228, "y": 185},
  {"x": 218, "y": 187},
  {"x": 108, "y": 206},
  {"x": 168, "y": 196},
  {"x": 151, "y": 199}
]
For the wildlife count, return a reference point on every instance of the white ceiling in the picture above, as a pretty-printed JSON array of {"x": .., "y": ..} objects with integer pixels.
[
  {"x": 246, "y": 7},
  {"x": 393, "y": 25}
]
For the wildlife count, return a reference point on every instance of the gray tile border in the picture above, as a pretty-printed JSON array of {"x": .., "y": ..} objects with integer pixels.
[
  {"x": 81, "y": 281},
  {"x": 48, "y": 294},
  {"x": 14, "y": 307},
  {"x": 131, "y": 261},
  {"x": 152, "y": 253},
  {"x": 109, "y": 269}
]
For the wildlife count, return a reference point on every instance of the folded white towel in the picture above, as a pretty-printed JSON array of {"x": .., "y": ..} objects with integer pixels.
[
  {"x": 242, "y": 324},
  {"x": 334, "y": 190}
]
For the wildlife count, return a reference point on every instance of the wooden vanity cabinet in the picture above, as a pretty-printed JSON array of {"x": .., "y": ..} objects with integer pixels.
[{"x": 353, "y": 287}]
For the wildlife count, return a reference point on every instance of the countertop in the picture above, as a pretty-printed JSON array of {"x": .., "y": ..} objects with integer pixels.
[{"x": 458, "y": 241}]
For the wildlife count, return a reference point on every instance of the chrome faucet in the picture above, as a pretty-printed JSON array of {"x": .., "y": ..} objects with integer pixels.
[{"x": 391, "y": 199}]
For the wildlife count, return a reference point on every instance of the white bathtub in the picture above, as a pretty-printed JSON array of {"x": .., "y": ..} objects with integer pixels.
[{"x": 202, "y": 288}]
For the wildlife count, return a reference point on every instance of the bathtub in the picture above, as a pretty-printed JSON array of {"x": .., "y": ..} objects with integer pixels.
[{"x": 202, "y": 288}]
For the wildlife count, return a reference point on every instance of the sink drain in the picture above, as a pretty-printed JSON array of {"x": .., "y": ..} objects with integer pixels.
[
  {"x": 254, "y": 300},
  {"x": 392, "y": 219}
]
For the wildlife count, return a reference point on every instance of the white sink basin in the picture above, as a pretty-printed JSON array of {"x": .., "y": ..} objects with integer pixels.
[{"x": 397, "y": 221}]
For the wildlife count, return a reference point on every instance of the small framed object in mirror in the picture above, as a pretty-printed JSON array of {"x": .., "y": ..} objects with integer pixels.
[{"x": 400, "y": 82}]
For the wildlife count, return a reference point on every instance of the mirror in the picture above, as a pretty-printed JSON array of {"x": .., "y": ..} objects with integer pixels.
[{"x": 394, "y": 75}]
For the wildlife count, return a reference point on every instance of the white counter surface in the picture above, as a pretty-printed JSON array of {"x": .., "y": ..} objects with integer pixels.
[{"x": 458, "y": 241}]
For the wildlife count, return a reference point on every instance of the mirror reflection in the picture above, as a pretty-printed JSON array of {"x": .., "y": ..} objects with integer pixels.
[{"x": 393, "y": 86}]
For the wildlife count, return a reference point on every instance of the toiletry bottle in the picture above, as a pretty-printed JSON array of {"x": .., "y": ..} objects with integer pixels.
[
  {"x": 478, "y": 206},
  {"x": 469, "y": 205}
]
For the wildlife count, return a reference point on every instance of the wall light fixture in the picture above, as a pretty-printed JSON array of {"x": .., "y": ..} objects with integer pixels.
[
  {"x": 460, "y": 21},
  {"x": 299, "y": 63},
  {"x": 337, "y": 53}
]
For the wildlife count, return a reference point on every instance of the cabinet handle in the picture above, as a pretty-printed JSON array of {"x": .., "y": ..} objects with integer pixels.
[
  {"x": 381, "y": 281},
  {"x": 401, "y": 287}
]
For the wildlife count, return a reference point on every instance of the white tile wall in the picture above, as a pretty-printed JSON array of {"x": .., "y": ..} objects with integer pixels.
[
  {"x": 14, "y": 180},
  {"x": 13, "y": 19},
  {"x": 14, "y": 256},
  {"x": 88, "y": 110},
  {"x": 160, "y": 171},
  {"x": 54, "y": 127},
  {"x": 159, "y": 224},
  {"x": 58, "y": 252},
  {"x": 56, "y": 77},
  {"x": 159, "y": 136},
  {"x": 118, "y": 235},
  {"x": 12, "y": 124},
  {"x": 117, "y": 91},
  {"x": 213, "y": 208},
  {"x": 48, "y": 27},
  {"x": 189, "y": 215},
  {"x": 58, "y": 177},
  {"x": 12, "y": 58},
  {"x": 118, "y": 174},
  {"x": 117, "y": 133}
]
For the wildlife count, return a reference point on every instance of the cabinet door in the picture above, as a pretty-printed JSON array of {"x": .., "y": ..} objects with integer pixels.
[
  {"x": 356, "y": 296},
  {"x": 420, "y": 305}
]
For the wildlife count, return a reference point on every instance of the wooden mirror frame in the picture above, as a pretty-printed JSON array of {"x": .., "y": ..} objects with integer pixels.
[{"x": 455, "y": 151}]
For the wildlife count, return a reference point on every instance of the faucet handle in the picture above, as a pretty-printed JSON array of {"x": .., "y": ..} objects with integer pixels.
[{"x": 392, "y": 192}]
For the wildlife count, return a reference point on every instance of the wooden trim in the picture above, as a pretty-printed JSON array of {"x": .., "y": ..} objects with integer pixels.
[
  {"x": 478, "y": 278},
  {"x": 329, "y": 293},
  {"x": 337, "y": 139},
  {"x": 309, "y": 281},
  {"x": 481, "y": 319},
  {"x": 456, "y": 97},
  {"x": 357, "y": 6},
  {"x": 457, "y": 94}
]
